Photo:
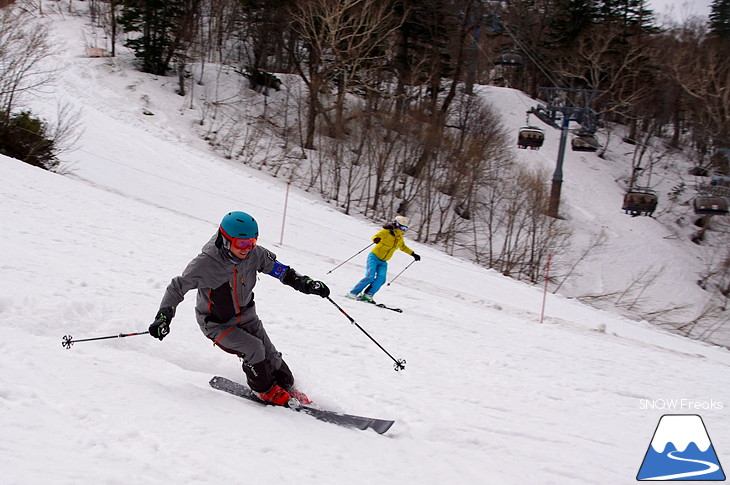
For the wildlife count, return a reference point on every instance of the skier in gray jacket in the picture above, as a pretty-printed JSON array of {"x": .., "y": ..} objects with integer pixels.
[{"x": 224, "y": 273}]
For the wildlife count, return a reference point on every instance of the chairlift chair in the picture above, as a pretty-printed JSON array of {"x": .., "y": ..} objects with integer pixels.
[
  {"x": 699, "y": 171},
  {"x": 530, "y": 137},
  {"x": 720, "y": 180},
  {"x": 710, "y": 205},
  {"x": 640, "y": 202},
  {"x": 584, "y": 141},
  {"x": 510, "y": 59}
]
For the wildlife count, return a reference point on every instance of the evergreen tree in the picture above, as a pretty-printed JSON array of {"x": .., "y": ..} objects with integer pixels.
[
  {"x": 266, "y": 23},
  {"x": 161, "y": 23},
  {"x": 631, "y": 15},
  {"x": 23, "y": 136},
  {"x": 720, "y": 19},
  {"x": 569, "y": 19},
  {"x": 422, "y": 52}
]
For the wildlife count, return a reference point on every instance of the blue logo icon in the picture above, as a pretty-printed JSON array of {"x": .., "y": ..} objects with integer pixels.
[{"x": 681, "y": 450}]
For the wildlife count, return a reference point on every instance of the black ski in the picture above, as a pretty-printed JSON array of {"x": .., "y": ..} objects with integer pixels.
[
  {"x": 381, "y": 305},
  {"x": 347, "y": 420},
  {"x": 393, "y": 309}
]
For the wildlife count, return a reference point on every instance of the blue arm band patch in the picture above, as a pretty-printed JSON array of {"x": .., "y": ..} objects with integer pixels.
[{"x": 279, "y": 270}]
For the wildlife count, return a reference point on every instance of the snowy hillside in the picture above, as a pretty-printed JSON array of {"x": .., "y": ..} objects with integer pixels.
[
  {"x": 643, "y": 266},
  {"x": 489, "y": 394}
]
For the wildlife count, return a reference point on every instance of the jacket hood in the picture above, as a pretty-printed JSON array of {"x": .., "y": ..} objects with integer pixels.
[{"x": 218, "y": 252}]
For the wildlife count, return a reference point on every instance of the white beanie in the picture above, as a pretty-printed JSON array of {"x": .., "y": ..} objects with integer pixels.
[{"x": 402, "y": 220}]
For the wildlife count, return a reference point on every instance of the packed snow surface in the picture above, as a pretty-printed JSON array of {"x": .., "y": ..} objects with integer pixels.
[{"x": 489, "y": 393}]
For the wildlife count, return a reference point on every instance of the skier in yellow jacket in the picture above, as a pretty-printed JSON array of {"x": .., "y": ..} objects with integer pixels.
[{"x": 387, "y": 241}]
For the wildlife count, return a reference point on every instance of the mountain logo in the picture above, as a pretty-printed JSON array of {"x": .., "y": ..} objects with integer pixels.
[{"x": 681, "y": 450}]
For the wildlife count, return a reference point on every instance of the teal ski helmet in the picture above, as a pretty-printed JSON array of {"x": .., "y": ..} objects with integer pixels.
[{"x": 239, "y": 225}]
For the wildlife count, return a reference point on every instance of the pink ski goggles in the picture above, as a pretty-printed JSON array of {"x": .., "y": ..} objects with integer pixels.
[
  {"x": 238, "y": 243},
  {"x": 243, "y": 244}
]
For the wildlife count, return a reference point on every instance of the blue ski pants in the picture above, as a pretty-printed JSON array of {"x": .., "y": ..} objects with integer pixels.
[{"x": 375, "y": 274}]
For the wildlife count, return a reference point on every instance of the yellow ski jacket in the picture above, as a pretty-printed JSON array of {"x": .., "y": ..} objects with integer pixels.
[{"x": 390, "y": 240}]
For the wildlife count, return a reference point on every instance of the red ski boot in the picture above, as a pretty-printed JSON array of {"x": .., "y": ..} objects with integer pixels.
[
  {"x": 299, "y": 396},
  {"x": 275, "y": 395}
]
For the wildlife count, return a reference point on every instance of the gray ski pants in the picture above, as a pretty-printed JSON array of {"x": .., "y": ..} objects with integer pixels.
[{"x": 247, "y": 339}]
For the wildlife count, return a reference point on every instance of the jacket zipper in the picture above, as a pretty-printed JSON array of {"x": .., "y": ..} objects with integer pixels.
[
  {"x": 235, "y": 292},
  {"x": 392, "y": 249}
]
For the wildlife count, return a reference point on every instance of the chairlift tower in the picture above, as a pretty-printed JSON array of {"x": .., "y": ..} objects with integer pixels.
[{"x": 565, "y": 105}]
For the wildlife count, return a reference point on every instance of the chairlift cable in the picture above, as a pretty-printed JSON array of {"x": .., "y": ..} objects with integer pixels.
[
  {"x": 486, "y": 56},
  {"x": 533, "y": 58}
]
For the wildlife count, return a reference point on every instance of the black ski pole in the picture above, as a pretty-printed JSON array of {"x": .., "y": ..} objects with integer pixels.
[
  {"x": 399, "y": 364},
  {"x": 68, "y": 340},
  {"x": 409, "y": 265},
  {"x": 363, "y": 249}
]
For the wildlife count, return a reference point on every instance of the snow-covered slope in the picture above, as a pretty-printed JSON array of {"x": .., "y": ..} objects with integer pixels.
[
  {"x": 489, "y": 394},
  {"x": 647, "y": 266}
]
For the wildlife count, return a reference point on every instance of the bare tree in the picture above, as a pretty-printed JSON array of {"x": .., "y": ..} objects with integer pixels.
[
  {"x": 65, "y": 130},
  {"x": 701, "y": 67},
  {"x": 23, "y": 47},
  {"x": 342, "y": 38},
  {"x": 595, "y": 62}
]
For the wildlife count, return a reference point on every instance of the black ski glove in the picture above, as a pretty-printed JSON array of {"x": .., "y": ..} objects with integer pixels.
[
  {"x": 317, "y": 288},
  {"x": 376, "y": 240},
  {"x": 161, "y": 326},
  {"x": 305, "y": 284},
  {"x": 416, "y": 257}
]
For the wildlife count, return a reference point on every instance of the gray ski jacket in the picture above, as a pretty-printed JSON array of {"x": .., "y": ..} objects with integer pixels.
[{"x": 225, "y": 287}]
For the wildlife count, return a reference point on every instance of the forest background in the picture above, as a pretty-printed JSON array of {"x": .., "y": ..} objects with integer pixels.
[{"x": 379, "y": 116}]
